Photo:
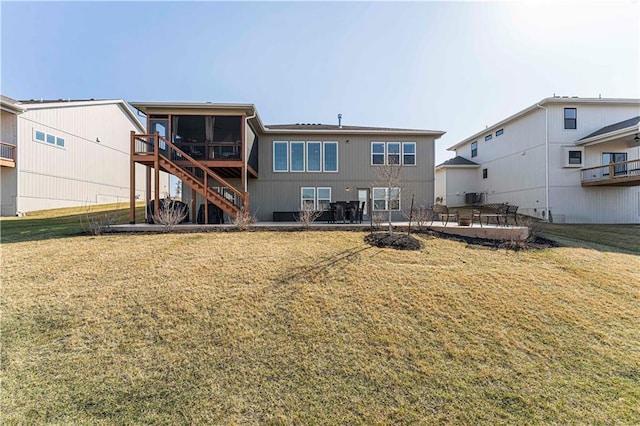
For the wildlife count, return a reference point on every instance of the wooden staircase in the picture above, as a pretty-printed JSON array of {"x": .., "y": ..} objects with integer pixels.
[{"x": 158, "y": 152}]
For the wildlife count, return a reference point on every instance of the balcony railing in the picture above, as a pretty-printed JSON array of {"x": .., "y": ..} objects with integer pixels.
[
  {"x": 7, "y": 154},
  {"x": 625, "y": 173}
]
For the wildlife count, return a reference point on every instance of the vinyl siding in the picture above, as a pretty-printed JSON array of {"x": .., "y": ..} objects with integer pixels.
[
  {"x": 8, "y": 175},
  {"x": 84, "y": 171},
  {"x": 516, "y": 165},
  {"x": 514, "y": 162},
  {"x": 570, "y": 202},
  {"x": 281, "y": 191}
]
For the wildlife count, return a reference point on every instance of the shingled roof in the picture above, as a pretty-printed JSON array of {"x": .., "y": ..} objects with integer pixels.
[
  {"x": 458, "y": 161},
  {"x": 613, "y": 127},
  {"x": 319, "y": 126}
]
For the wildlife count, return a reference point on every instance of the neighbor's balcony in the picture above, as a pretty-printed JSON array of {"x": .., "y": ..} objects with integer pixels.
[
  {"x": 626, "y": 173},
  {"x": 7, "y": 155}
]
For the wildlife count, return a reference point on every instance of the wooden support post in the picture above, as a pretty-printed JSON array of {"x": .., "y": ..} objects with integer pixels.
[
  {"x": 147, "y": 194},
  {"x": 194, "y": 214},
  {"x": 132, "y": 181},
  {"x": 206, "y": 200},
  {"x": 156, "y": 166}
]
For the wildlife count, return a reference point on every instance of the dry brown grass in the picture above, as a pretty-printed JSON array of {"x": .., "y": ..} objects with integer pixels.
[{"x": 315, "y": 328}]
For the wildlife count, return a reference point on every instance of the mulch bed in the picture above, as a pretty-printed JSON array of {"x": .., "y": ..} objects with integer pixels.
[
  {"x": 394, "y": 241},
  {"x": 402, "y": 241}
]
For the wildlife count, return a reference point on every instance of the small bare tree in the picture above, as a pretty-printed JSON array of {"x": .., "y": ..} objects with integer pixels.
[
  {"x": 307, "y": 216},
  {"x": 98, "y": 223},
  {"x": 389, "y": 178},
  {"x": 420, "y": 216},
  {"x": 244, "y": 220},
  {"x": 169, "y": 214}
]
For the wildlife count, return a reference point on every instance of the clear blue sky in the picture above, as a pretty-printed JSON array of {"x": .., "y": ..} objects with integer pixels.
[{"x": 433, "y": 65}]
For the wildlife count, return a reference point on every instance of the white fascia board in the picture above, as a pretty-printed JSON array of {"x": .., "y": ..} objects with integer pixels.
[
  {"x": 438, "y": 134},
  {"x": 607, "y": 137},
  {"x": 249, "y": 109},
  {"x": 457, "y": 166},
  {"x": 546, "y": 101}
]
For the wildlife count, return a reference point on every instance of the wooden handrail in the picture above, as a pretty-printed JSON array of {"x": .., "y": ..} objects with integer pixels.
[
  {"x": 197, "y": 164},
  {"x": 609, "y": 165}
]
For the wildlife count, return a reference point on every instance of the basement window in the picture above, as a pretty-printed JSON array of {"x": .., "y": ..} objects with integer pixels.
[{"x": 573, "y": 157}]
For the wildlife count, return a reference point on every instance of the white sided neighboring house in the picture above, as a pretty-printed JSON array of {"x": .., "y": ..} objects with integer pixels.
[
  {"x": 62, "y": 153},
  {"x": 563, "y": 159}
]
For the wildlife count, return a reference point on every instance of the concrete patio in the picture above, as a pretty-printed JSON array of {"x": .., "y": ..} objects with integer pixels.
[{"x": 490, "y": 232}]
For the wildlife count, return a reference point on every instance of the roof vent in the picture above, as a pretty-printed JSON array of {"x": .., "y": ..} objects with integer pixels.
[{"x": 339, "y": 121}]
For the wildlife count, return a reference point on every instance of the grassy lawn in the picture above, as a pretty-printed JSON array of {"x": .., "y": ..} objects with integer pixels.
[
  {"x": 315, "y": 328},
  {"x": 623, "y": 238},
  {"x": 60, "y": 223}
]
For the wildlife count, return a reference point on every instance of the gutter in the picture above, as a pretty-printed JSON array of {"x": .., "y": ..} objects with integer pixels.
[
  {"x": 246, "y": 156},
  {"x": 546, "y": 162}
]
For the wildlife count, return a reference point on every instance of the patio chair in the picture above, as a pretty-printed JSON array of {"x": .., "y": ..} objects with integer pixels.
[{"x": 441, "y": 211}]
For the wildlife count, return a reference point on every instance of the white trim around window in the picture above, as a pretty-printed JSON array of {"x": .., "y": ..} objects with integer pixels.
[
  {"x": 573, "y": 157},
  {"x": 47, "y": 138},
  {"x": 317, "y": 198},
  {"x": 386, "y": 198},
  {"x": 296, "y": 156},
  {"x": 327, "y": 160},
  {"x": 400, "y": 153},
  {"x": 408, "y": 153},
  {"x": 280, "y": 156},
  {"x": 305, "y": 156}
]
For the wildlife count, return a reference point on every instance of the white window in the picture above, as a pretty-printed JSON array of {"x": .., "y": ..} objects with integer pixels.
[
  {"x": 573, "y": 157},
  {"x": 385, "y": 199},
  {"x": 301, "y": 156},
  {"x": 401, "y": 153},
  {"x": 48, "y": 138},
  {"x": 409, "y": 153},
  {"x": 297, "y": 156},
  {"x": 330, "y": 156},
  {"x": 315, "y": 198},
  {"x": 308, "y": 198},
  {"x": 323, "y": 198},
  {"x": 280, "y": 156},
  {"x": 377, "y": 153},
  {"x": 393, "y": 153},
  {"x": 314, "y": 156}
]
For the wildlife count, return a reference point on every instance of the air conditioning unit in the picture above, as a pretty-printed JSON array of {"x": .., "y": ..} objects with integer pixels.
[{"x": 473, "y": 198}]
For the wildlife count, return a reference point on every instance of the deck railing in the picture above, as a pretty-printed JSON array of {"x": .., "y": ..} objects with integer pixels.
[
  {"x": 146, "y": 145},
  {"x": 612, "y": 171},
  {"x": 7, "y": 152}
]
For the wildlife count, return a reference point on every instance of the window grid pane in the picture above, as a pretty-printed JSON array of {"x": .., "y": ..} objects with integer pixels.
[
  {"x": 409, "y": 153},
  {"x": 330, "y": 156},
  {"x": 280, "y": 157},
  {"x": 297, "y": 156},
  {"x": 377, "y": 153},
  {"x": 393, "y": 153},
  {"x": 313, "y": 156}
]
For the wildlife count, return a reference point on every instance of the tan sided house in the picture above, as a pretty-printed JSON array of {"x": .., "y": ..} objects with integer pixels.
[{"x": 223, "y": 153}]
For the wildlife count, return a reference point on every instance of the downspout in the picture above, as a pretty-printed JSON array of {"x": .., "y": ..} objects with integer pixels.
[
  {"x": 246, "y": 154},
  {"x": 546, "y": 161}
]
